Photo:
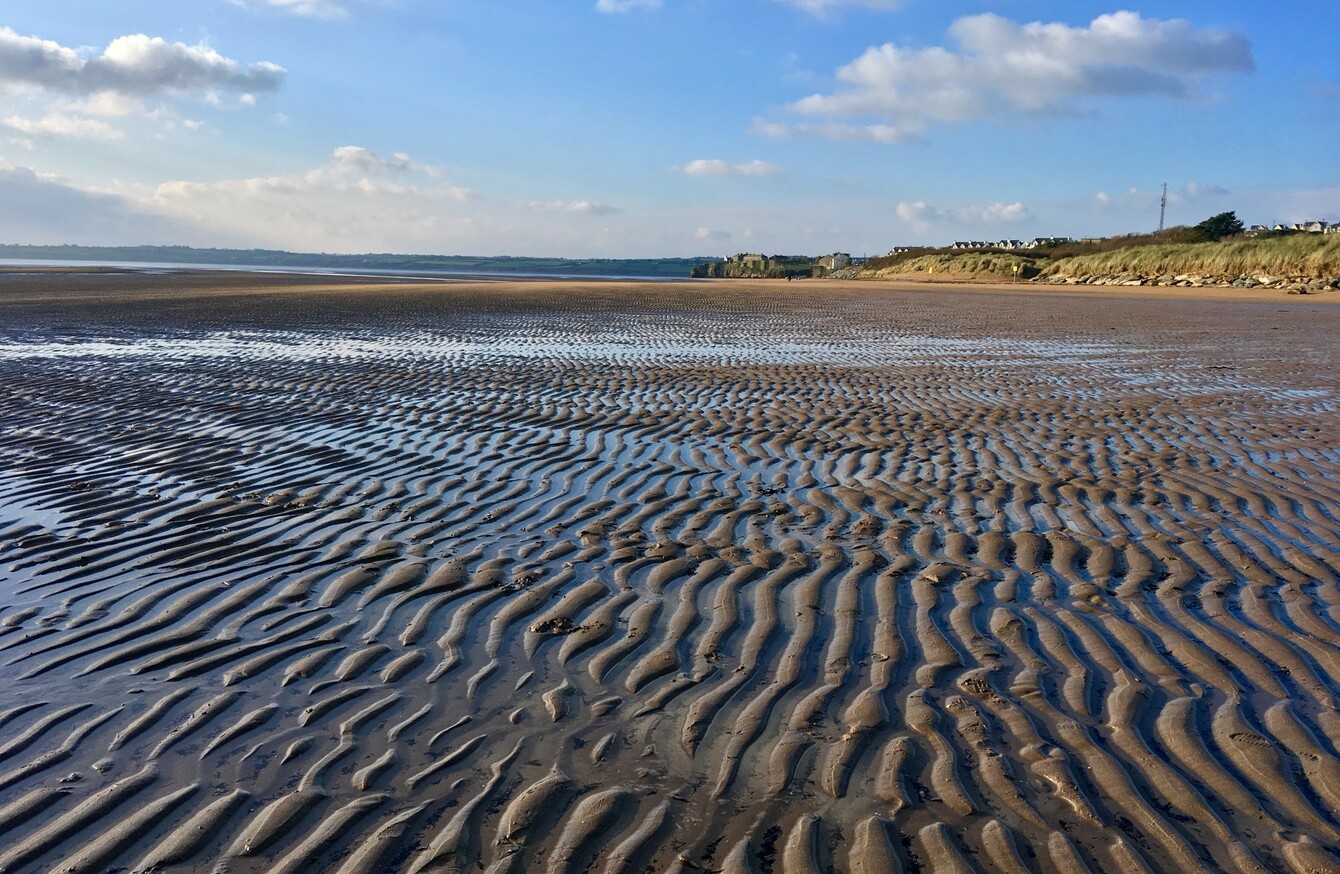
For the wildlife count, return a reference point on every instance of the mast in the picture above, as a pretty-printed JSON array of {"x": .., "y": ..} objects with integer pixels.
[{"x": 1163, "y": 207}]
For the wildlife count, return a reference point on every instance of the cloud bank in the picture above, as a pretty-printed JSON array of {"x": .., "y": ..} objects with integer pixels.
[
  {"x": 58, "y": 125},
  {"x": 134, "y": 65},
  {"x": 39, "y": 209},
  {"x": 922, "y": 216},
  {"x": 999, "y": 67}
]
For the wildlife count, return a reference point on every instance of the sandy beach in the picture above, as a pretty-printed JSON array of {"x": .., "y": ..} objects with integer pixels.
[{"x": 310, "y": 574}]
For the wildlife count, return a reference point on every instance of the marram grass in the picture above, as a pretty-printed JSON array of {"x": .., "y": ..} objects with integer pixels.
[
  {"x": 1298, "y": 255},
  {"x": 996, "y": 263}
]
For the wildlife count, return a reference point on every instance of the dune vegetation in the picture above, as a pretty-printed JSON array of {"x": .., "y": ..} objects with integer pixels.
[
  {"x": 1310, "y": 256},
  {"x": 1285, "y": 258},
  {"x": 985, "y": 262}
]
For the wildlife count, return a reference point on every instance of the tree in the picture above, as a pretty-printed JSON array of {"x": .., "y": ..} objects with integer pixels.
[{"x": 1226, "y": 224}]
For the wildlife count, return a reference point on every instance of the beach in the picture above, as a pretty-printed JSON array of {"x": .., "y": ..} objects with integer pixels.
[{"x": 353, "y": 575}]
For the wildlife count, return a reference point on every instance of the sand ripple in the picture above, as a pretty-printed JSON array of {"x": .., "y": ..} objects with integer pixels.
[{"x": 741, "y": 581}]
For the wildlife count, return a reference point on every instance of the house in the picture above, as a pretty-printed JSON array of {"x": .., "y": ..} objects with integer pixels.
[
  {"x": 836, "y": 261},
  {"x": 1010, "y": 244},
  {"x": 899, "y": 250},
  {"x": 1257, "y": 230},
  {"x": 1332, "y": 229},
  {"x": 1308, "y": 227}
]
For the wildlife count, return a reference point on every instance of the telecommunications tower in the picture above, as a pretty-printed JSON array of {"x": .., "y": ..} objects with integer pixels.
[{"x": 1163, "y": 207}]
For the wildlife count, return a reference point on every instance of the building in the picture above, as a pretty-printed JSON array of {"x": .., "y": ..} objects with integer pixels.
[
  {"x": 899, "y": 250},
  {"x": 836, "y": 261},
  {"x": 1308, "y": 227},
  {"x": 749, "y": 259}
]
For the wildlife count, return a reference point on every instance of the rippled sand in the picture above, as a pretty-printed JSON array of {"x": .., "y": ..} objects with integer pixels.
[{"x": 727, "y": 577}]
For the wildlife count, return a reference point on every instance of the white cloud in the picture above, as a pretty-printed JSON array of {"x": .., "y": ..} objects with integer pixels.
[
  {"x": 351, "y": 170},
  {"x": 995, "y": 213},
  {"x": 57, "y": 125},
  {"x": 108, "y": 104},
  {"x": 713, "y": 167},
  {"x": 587, "y": 208},
  {"x": 863, "y": 133},
  {"x": 833, "y": 130},
  {"x": 710, "y": 235},
  {"x": 357, "y": 199},
  {"x": 764, "y": 128},
  {"x": 921, "y": 215},
  {"x": 819, "y": 7},
  {"x": 304, "y": 8},
  {"x": 37, "y": 208},
  {"x": 581, "y": 207},
  {"x": 1000, "y": 67},
  {"x": 134, "y": 65},
  {"x": 626, "y": 5},
  {"x": 1194, "y": 191}
]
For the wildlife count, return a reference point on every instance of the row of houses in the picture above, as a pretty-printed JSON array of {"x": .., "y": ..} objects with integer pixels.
[
  {"x": 1036, "y": 243},
  {"x": 755, "y": 263},
  {"x": 1312, "y": 227}
]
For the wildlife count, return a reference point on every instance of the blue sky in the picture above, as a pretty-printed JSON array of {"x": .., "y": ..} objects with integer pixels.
[{"x": 656, "y": 127}]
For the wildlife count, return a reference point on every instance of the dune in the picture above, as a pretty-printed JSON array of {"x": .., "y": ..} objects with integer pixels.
[{"x": 366, "y": 576}]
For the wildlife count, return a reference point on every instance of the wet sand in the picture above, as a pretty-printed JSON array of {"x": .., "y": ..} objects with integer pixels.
[{"x": 314, "y": 575}]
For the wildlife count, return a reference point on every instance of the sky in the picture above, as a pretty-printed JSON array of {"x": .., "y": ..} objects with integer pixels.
[{"x": 657, "y": 128}]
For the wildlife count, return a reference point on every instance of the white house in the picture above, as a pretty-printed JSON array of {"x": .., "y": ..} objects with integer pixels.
[{"x": 836, "y": 261}]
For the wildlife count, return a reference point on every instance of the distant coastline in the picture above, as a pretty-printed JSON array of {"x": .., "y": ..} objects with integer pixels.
[{"x": 450, "y": 265}]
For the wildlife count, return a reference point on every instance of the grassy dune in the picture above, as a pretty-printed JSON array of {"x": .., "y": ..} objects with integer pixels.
[
  {"x": 1310, "y": 256},
  {"x": 994, "y": 263},
  {"x": 1295, "y": 257}
]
